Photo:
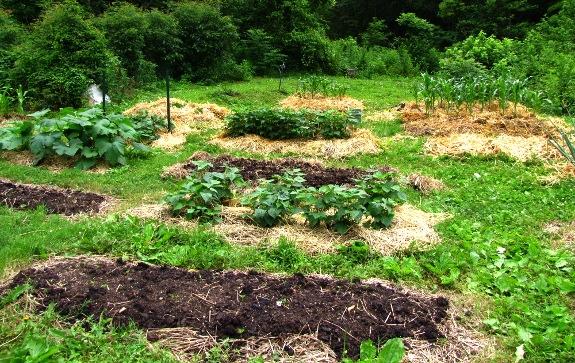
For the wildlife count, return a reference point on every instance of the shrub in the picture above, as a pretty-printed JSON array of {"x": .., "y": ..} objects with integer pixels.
[
  {"x": 282, "y": 124},
  {"x": 59, "y": 59},
  {"x": 478, "y": 53},
  {"x": 208, "y": 42}
]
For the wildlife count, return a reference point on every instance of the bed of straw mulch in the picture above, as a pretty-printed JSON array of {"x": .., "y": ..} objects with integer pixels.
[
  {"x": 302, "y": 318},
  {"x": 522, "y": 136},
  {"x": 321, "y": 103},
  {"x": 361, "y": 141},
  {"x": 187, "y": 117},
  {"x": 55, "y": 200}
]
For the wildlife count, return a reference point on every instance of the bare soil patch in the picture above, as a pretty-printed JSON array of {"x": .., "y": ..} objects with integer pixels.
[
  {"x": 253, "y": 169},
  {"x": 236, "y": 304},
  {"x": 55, "y": 200}
]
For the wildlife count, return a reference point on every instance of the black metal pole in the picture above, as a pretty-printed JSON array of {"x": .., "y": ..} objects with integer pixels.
[
  {"x": 168, "y": 100},
  {"x": 104, "y": 90}
]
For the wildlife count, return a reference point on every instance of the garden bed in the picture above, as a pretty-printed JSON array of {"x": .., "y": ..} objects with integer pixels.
[
  {"x": 55, "y": 200},
  {"x": 232, "y": 304}
]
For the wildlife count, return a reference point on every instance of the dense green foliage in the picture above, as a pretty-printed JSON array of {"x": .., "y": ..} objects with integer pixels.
[
  {"x": 282, "y": 124},
  {"x": 90, "y": 135}
]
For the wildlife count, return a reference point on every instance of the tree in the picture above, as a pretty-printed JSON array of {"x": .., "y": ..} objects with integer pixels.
[{"x": 62, "y": 55}]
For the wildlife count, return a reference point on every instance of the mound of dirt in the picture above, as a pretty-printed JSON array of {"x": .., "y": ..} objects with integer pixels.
[
  {"x": 236, "y": 304},
  {"x": 55, "y": 200},
  {"x": 253, "y": 169}
]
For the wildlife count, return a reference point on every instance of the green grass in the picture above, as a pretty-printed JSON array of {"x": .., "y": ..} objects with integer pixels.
[{"x": 494, "y": 248}]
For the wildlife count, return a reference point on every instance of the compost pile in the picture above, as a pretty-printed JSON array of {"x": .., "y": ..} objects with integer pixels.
[
  {"x": 235, "y": 304},
  {"x": 55, "y": 200},
  {"x": 253, "y": 169}
]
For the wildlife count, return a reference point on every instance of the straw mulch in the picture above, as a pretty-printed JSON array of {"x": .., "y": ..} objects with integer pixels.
[
  {"x": 411, "y": 228},
  {"x": 486, "y": 132},
  {"x": 361, "y": 141},
  {"x": 187, "y": 117},
  {"x": 186, "y": 344},
  {"x": 565, "y": 232},
  {"x": 424, "y": 183},
  {"x": 521, "y": 148},
  {"x": 321, "y": 103}
]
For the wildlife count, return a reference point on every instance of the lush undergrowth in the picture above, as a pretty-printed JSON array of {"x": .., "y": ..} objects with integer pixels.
[{"x": 495, "y": 249}]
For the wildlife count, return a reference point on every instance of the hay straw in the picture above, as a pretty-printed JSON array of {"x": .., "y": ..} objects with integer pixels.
[
  {"x": 188, "y": 117},
  {"x": 411, "y": 228},
  {"x": 560, "y": 171},
  {"x": 425, "y": 183},
  {"x": 321, "y": 103},
  {"x": 521, "y": 148},
  {"x": 361, "y": 141}
]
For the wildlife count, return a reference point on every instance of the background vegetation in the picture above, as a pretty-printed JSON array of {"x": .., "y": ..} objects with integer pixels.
[{"x": 136, "y": 43}]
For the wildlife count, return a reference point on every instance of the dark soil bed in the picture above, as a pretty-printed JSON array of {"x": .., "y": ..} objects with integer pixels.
[
  {"x": 253, "y": 169},
  {"x": 55, "y": 200},
  {"x": 236, "y": 304}
]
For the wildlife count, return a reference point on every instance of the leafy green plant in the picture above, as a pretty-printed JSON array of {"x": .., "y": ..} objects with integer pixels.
[
  {"x": 21, "y": 97},
  {"x": 315, "y": 85},
  {"x": 391, "y": 352},
  {"x": 282, "y": 124},
  {"x": 17, "y": 136},
  {"x": 566, "y": 146},
  {"x": 5, "y": 100},
  {"x": 147, "y": 125},
  {"x": 203, "y": 193},
  {"x": 276, "y": 198}
]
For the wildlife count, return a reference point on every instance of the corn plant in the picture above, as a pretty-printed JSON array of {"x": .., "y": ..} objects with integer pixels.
[
  {"x": 566, "y": 146},
  {"x": 21, "y": 97},
  {"x": 5, "y": 100}
]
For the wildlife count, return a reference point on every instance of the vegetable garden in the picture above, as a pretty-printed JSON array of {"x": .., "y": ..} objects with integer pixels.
[{"x": 321, "y": 238}]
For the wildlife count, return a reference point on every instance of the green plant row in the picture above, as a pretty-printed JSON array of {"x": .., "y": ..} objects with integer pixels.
[
  {"x": 89, "y": 135},
  {"x": 457, "y": 94},
  {"x": 274, "y": 200},
  {"x": 282, "y": 124}
]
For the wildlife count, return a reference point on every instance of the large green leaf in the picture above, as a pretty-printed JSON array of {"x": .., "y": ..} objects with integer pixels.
[
  {"x": 85, "y": 163},
  {"x": 71, "y": 149},
  {"x": 392, "y": 351},
  {"x": 43, "y": 140},
  {"x": 103, "y": 127}
]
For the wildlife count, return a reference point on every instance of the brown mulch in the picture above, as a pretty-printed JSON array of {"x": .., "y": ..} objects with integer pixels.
[
  {"x": 322, "y": 103},
  {"x": 231, "y": 304},
  {"x": 55, "y": 200}
]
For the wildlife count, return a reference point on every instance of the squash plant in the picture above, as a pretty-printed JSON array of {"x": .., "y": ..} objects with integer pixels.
[{"x": 89, "y": 135}]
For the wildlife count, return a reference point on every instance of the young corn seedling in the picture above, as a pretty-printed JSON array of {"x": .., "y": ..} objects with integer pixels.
[{"x": 567, "y": 146}]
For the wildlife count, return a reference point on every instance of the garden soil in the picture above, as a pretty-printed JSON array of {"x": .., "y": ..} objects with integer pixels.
[
  {"x": 236, "y": 305},
  {"x": 55, "y": 200},
  {"x": 252, "y": 170}
]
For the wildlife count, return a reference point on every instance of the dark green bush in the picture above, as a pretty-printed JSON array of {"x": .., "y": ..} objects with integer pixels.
[
  {"x": 125, "y": 27},
  {"x": 282, "y": 124},
  {"x": 62, "y": 55},
  {"x": 208, "y": 42}
]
